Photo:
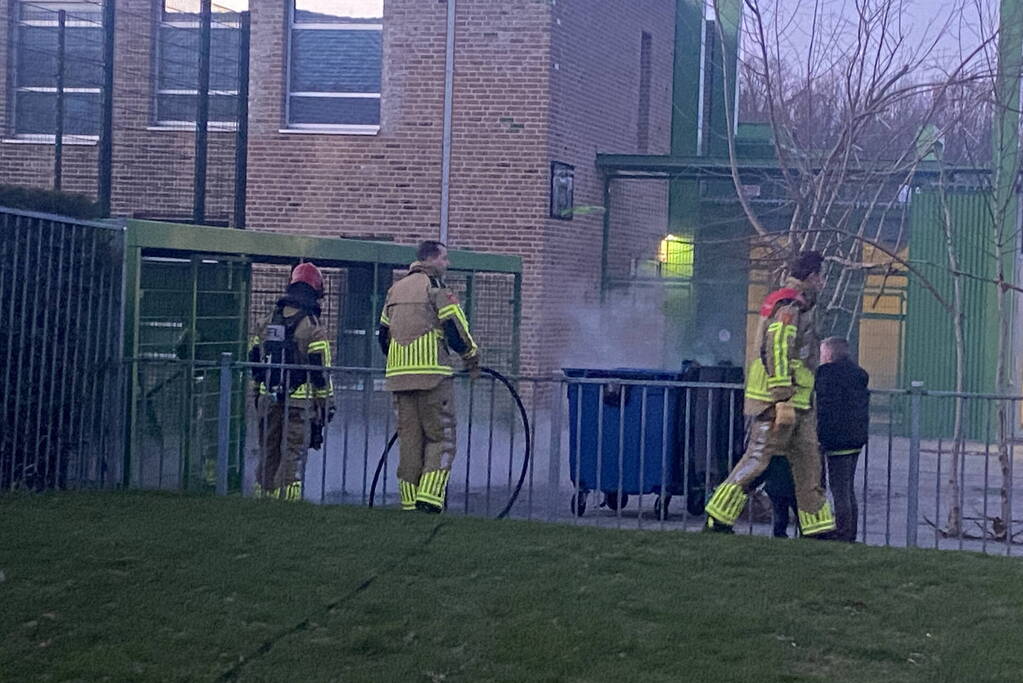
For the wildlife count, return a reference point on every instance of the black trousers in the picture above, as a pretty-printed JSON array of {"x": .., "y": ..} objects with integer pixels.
[
  {"x": 841, "y": 477},
  {"x": 780, "y": 488}
]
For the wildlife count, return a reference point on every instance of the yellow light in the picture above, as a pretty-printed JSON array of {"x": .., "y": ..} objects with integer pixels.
[{"x": 676, "y": 257}]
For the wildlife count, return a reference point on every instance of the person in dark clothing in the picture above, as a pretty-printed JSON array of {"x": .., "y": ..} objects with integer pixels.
[
  {"x": 843, "y": 423},
  {"x": 781, "y": 490}
]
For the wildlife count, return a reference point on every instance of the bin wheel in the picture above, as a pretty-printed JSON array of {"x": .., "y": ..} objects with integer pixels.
[
  {"x": 612, "y": 502},
  {"x": 661, "y": 504},
  {"x": 578, "y": 503}
]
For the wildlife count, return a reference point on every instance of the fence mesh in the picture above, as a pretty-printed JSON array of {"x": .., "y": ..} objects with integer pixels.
[
  {"x": 59, "y": 344},
  {"x": 58, "y": 86}
]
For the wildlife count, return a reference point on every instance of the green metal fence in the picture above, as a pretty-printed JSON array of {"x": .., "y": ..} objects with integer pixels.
[
  {"x": 111, "y": 335},
  {"x": 60, "y": 324},
  {"x": 200, "y": 292}
]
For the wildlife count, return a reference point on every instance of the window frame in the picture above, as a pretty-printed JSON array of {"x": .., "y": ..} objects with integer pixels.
[
  {"x": 156, "y": 123},
  {"x": 325, "y": 128},
  {"x": 15, "y": 56}
]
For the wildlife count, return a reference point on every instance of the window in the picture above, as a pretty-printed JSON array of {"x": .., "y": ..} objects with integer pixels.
[
  {"x": 334, "y": 65},
  {"x": 562, "y": 190},
  {"x": 35, "y": 68},
  {"x": 177, "y": 62}
]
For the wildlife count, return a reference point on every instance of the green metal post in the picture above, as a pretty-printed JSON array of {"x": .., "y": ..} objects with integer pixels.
[
  {"x": 722, "y": 70},
  {"x": 131, "y": 294},
  {"x": 686, "y": 104},
  {"x": 469, "y": 308},
  {"x": 516, "y": 323}
]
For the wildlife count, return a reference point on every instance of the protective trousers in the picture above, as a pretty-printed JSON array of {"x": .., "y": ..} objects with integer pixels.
[
  {"x": 798, "y": 442},
  {"x": 283, "y": 446},
  {"x": 426, "y": 431}
]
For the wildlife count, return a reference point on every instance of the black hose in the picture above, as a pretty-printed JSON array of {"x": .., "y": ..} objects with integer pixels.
[
  {"x": 380, "y": 468},
  {"x": 525, "y": 460}
]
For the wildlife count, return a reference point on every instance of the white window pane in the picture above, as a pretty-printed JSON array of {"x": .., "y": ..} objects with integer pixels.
[
  {"x": 223, "y": 108},
  {"x": 335, "y": 110},
  {"x": 35, "y": 113},
  {"x": 36, "y": 48},
  {"x": 76, "y": 11},
  {"x": 178, "y": 67},
  {"x": 37, "y": 57},
  {"x": 178, "y": 63},
  {"x": 339, "y": 11},
  {"x": 336, "y": 61},
  {"x": 195, "y": 6}
]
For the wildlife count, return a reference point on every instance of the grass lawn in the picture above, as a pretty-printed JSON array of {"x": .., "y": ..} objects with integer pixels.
[{"x": 144, "y": 586}]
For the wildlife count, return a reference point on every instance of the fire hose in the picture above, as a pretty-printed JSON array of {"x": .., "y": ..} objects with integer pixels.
[{"x": 525, "y": 460}]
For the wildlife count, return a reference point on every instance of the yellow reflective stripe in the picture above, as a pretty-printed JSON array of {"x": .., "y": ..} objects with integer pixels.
[
  {"x": 727, "y": 503},
  {"x": 811, "y": 523},
  {"x": 449, "y": 311},
  {"x": 408, "y": 494},
  {"x": 433, "y": 487},
  {"x": 782, "y": 376},
  {"x": 255, "y": 340},
  {"x": 436, "y": 370},
  {"x": 420, "y": 356},
  {"x": 307, "y": 391},
  {"x": 850, "y": 451},
  {"x": 384, "y": 319},
  {"x": 455, "y": 311}
]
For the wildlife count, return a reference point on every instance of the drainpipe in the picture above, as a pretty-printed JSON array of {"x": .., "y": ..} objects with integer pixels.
[{"x": 449, "y": 90}]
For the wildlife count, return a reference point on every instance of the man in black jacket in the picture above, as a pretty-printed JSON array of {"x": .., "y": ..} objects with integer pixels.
[{"x": 843, "y": 422}]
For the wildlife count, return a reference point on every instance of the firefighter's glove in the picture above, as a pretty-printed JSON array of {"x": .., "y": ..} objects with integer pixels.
[
  {"x": 784, "y": 414},
  {"x": 779, "y": 394},
  {"x": 330, "y": 413},
  {"x": 472, "y": 366}
]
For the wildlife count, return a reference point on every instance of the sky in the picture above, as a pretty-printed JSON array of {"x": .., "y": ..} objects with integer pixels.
[{"x": 947, "y": 30}]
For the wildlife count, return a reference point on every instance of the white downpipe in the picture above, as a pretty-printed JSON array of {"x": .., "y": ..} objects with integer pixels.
[{"x": 449, "y": 92}]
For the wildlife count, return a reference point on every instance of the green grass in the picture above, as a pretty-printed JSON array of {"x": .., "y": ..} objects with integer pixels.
[{"x": 163, "y": 587}]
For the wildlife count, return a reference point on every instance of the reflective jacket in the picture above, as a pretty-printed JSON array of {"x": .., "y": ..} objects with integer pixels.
[
  {"x": 312, "y": 347},
  {"x": 423, "y": 329},
  {"x": 788, "y": 353}
]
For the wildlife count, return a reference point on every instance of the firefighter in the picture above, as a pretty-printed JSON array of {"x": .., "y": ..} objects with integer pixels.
[
  {"x": 291, "y": 335},
  {"x": 779, "y": 403},
  {"x": 422, "y": 330}
]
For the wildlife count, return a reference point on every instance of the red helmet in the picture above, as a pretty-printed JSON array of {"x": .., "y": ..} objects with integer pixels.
[{"x": 309, "y": 274}]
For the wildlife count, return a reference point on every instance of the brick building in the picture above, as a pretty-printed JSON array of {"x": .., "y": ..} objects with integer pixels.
[{"x": 346, "y": 121}]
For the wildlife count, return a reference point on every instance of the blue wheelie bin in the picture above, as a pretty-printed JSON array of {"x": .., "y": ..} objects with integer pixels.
[{"x": 618, "y": 445}]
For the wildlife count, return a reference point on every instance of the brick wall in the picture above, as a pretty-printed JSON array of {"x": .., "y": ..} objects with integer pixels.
[
  {"x": 383, "y": 185},
  {"x": 153, "y": 169},
  {"x": 536, "y": 81},
  {"x": 595, "y": 94}
]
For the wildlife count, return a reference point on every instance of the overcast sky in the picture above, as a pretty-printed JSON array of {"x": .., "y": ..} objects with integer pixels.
[{"x": 954, "y": 27}]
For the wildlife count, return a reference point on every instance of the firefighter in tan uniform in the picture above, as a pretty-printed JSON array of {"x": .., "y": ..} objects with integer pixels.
[
  {"x": 422, "y": 330},
  {"x": 291, "y": 335},
  {"x": 779, "y": 401}
]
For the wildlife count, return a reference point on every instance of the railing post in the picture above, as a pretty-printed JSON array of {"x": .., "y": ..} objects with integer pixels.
[
  {"x": 58, "y": 134},
  {"x": 202, "y": 114},
  {"x": 224, "y": 423},
  {"x": 554, "y": 455},
  {"x": 913, "y": 482}
]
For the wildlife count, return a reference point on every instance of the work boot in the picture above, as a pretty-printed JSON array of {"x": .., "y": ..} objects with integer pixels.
[
  {"x": 715, "y": 527},
  {"x": 429, "y": 508}
]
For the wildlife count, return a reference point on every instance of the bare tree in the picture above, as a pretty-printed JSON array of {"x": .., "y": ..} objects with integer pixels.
[{"x": 857, "y": 105}]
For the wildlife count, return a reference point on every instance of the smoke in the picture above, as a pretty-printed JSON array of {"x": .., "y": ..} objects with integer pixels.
[{"x": 630, "y": 329}]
